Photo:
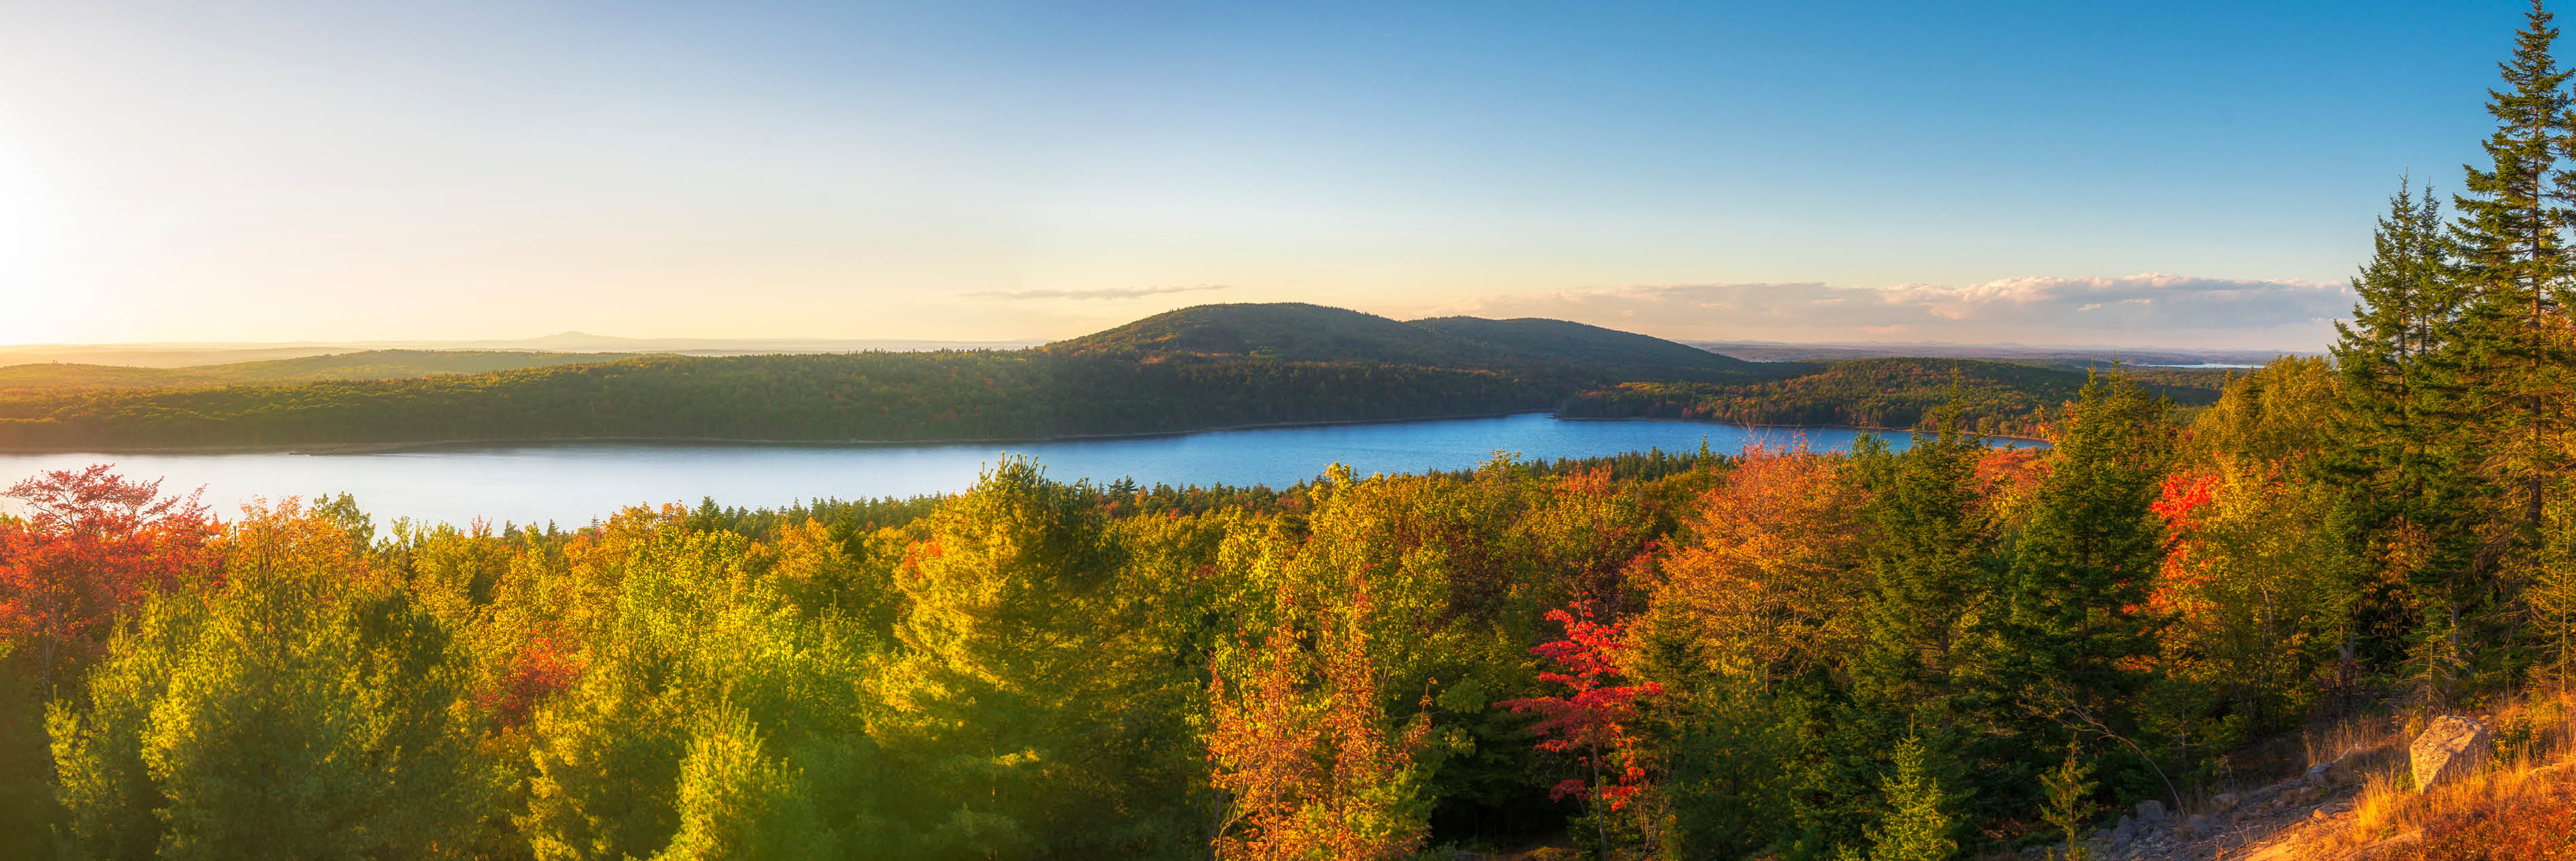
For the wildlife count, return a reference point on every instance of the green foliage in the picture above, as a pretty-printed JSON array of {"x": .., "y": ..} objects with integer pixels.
[
  {"x": 2070, "y": 799},
  {"x": 282, "y": 716},
  {"x": 1914, "y": 828}
]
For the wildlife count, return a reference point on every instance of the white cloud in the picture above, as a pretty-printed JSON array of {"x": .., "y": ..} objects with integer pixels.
[{"x": 2144, "y": 309}]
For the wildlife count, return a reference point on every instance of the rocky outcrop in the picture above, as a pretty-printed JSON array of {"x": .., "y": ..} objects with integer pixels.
[{"x": 2451, "y": 748}]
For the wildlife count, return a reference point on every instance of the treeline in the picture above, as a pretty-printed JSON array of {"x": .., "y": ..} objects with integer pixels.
[
  {"x": 2005, "y": 398},
  {"x": 863, "y": 396}
]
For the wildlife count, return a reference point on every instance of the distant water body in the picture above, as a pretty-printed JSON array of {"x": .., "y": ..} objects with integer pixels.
[{"x": 574, "y": 483}]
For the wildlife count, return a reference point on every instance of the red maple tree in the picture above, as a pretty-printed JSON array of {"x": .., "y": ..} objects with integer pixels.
[
  {"x": 91, "y": 546},
  {"x": 1590, "y": 722},
  {"x": 546, "y": 666}
]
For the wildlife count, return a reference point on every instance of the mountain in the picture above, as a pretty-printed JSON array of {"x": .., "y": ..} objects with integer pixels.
[
  {"x": 1298, "y": 332},
  {"x": 1285, "y": 331}
]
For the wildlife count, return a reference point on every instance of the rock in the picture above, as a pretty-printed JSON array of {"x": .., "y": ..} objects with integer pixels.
[
  {"x": 2451, "y": 748},
  {"x": 2125, "y": 833},
  {"x": 2198, "y": 826},
  {"x": 2339, "y": 770},
  {"x": 2225, "y": 801},
  {"x": 2151, "y": 810}
]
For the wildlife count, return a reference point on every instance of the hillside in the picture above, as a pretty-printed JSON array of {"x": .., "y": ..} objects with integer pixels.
[
  {"x": 1298, "y": 332},
  {"x": 362, "y": 365},
  {"x": 1564, "y": 341},
  {"x": 1286, "y": 331},
  {"x": 1998, "y": 397}
]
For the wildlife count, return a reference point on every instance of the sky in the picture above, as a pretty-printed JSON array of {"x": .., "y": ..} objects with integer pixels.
[{"x": 2170, "y": 174}]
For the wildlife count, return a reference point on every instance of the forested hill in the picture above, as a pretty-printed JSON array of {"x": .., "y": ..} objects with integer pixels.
[
  {"x": 1995, "y": 397},
  {"x": 1298, "y": 332},
  {"x": 1197, "y": 368}
]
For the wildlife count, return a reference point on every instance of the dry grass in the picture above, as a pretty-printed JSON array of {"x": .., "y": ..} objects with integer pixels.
[
  {"x": 2521, "y": 806},
  {"x": 2364, "y": 733}
]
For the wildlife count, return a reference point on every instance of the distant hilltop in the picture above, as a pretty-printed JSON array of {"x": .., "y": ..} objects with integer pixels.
[{"x": 1299, "y": 332}]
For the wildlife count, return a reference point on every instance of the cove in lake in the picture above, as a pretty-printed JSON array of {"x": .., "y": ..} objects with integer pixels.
[{"x": 575, "y": 483}]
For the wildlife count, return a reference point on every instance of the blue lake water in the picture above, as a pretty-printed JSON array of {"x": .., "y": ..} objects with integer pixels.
[{"x": 572, "y": 484}]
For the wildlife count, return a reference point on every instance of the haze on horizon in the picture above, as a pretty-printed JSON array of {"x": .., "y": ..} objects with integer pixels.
[{"x": 2196, "y": 175}]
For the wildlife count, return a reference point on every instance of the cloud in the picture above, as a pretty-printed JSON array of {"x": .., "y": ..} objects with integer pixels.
[
  {"x": 1094, "y": 293},
  {"x": 2150, "y": 308}
]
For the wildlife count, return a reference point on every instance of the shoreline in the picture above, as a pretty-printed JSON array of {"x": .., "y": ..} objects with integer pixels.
[
  {"x": 328, "y": 448},
  {"x": 352, "y": 448},
  {"x": 1869, "y": 428}
]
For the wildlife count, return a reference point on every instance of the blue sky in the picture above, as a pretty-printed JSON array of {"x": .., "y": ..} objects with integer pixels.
[{"x": 2184, "y": 174}]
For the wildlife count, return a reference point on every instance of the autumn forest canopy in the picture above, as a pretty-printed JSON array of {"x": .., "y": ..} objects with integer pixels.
[{"x": 1963, "y": 648}]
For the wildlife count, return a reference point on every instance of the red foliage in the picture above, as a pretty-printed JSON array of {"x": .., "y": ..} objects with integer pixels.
[
  {"x": 541, "y": 669},
  {"x": 2179, "y": 504},
  {"x": 2183, "y": 494},
  {"x": 1591, "y": 721},
  {"x": 91, "y": 547}
]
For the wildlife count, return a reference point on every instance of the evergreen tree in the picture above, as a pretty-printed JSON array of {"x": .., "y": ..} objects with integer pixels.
[
  {"x": 1914, "y": 827},
  {"x": 2082, "y": 569},
  {"x": 2515, "y": 262},
  {"x": 2398, "y": 366},
  {"x": 1930, "y": 560}
]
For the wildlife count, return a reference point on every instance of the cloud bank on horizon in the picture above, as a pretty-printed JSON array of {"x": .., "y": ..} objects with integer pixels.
[{"x": 2146, "y": 309}]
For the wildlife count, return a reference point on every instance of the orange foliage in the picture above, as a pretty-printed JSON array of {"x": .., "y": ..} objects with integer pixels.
[
  {"x": 1769, "y": 574},
  {"x": 1309, "y": 761}
]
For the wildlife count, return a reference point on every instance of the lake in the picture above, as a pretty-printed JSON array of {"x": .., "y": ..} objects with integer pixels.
[{"x": 572, "y": 484}]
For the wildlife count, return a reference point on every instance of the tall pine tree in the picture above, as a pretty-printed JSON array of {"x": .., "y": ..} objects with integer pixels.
[
  {"x": 2515, "y": 261},
  {"x": 2394, "y": 446},
  {"x": 2084, "y": 564},
  {"x": 2513, "y": 354}
]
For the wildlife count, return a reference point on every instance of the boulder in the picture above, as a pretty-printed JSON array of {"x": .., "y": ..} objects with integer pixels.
[
  {"x": 2225, "y": 801},
  {"x": 2125, "y": 833},
  {"x": 2198, "y": 826},
  {"x": 2151, "y": 810},
  {"x": 2451, "y": 748}
]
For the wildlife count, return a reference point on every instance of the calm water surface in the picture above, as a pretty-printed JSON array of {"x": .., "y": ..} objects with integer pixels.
[{"x": 571, "y": 484}]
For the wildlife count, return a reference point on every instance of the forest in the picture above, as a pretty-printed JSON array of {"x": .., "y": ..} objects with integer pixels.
[
  {"x": 1996, "y": 398},
  {"x": 1958, "y": 649}
]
